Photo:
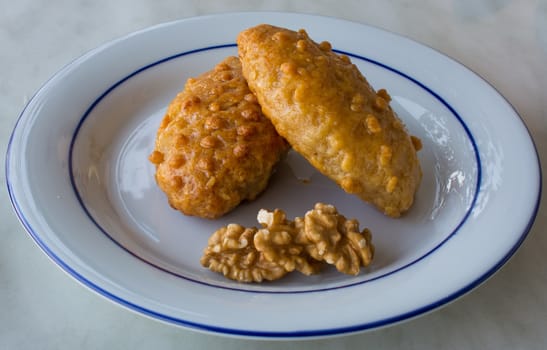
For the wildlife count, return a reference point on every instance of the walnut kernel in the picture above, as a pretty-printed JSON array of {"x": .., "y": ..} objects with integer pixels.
[
  {"x": 279, "y": 240},
  {"x": 231, "y": 251},
  {"x": 337, "y": 240},
  {"x": 281, "y": 246}
]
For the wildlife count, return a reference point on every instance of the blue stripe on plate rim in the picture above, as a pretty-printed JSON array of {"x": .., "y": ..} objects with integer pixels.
[{"x": 269, "y": 334}]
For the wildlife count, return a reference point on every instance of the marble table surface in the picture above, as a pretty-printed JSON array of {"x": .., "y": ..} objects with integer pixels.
[{"x": 504, "y": 41}]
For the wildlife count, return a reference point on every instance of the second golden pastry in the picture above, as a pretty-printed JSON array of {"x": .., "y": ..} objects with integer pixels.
[
  {"x": 214, "y": 147},
  {"x": 324, "y": 107}
]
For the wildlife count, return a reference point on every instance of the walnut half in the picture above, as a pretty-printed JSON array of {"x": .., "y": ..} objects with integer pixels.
[
  {"x": 336, "y": 240},
  {"x": 279, "y": 240},
  {"x": 231, "y": 251}
]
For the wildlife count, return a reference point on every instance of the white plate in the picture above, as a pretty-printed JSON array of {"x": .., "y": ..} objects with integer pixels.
[{"x": 80, "y": 182}]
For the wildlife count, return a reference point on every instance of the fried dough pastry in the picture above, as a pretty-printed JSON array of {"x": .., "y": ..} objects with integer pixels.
[
  {"x": 324, "y": 107},
  {"x": 214, "y": 147}
]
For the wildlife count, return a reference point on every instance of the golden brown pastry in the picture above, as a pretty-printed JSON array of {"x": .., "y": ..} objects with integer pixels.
[
  {"x": 327, "y": 111},
  {"x": 214, "y": 147}
]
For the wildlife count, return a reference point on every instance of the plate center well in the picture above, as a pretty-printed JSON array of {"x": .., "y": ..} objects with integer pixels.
[{"x": 116, "y": 186}]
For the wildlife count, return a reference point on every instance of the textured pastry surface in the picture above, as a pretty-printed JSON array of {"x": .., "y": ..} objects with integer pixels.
[
  {"x": 214, "y": 147},
  {"x": 325, "y": 108}
]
